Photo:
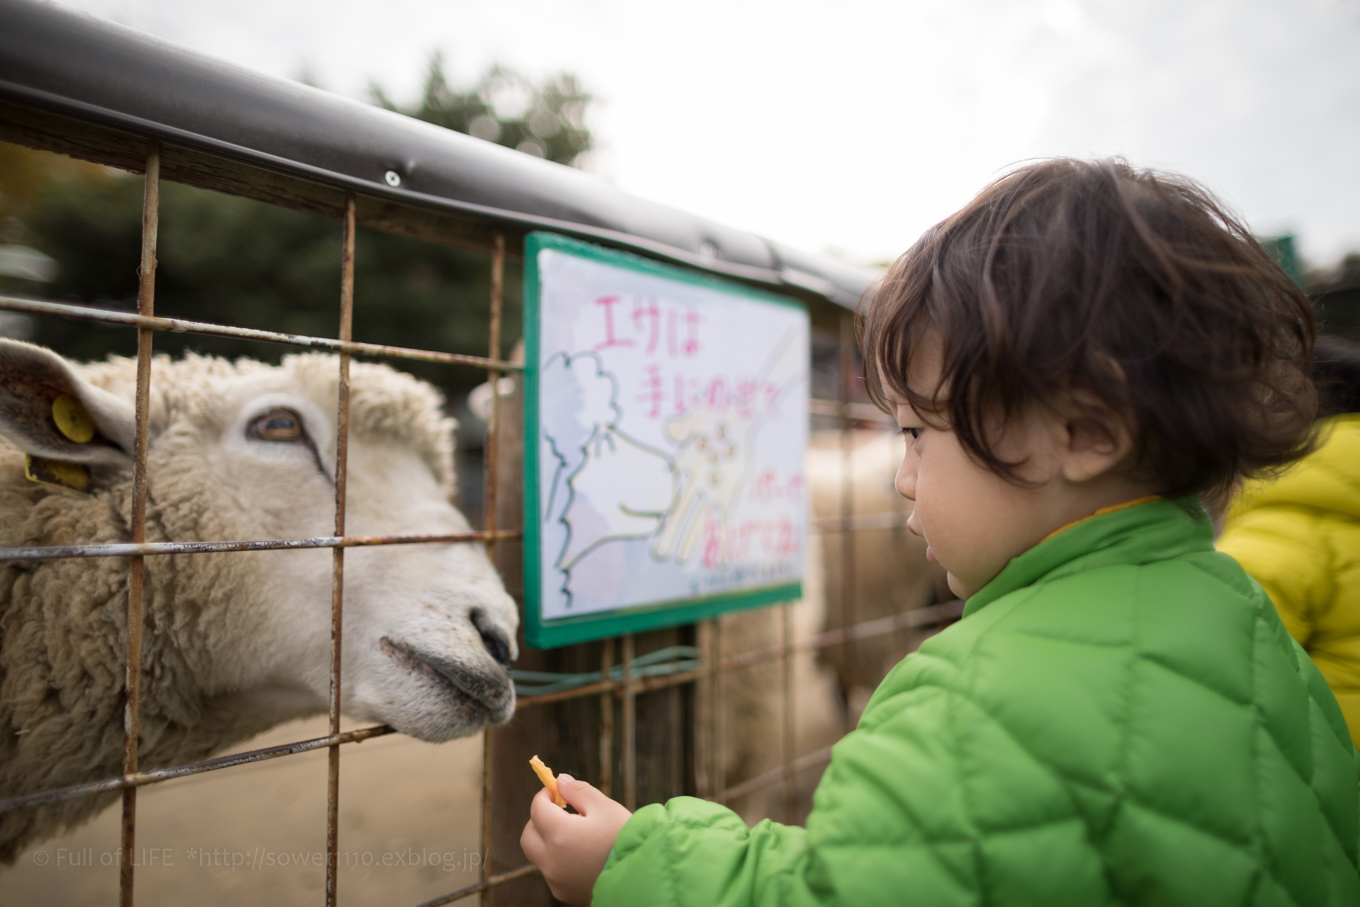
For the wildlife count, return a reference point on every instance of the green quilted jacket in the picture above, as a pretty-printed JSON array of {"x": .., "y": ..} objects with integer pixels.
[{"x": 1119, "y": 718}]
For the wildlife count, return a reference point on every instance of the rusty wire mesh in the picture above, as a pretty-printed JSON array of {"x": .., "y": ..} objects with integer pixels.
[{"x": 620, "y": 684}]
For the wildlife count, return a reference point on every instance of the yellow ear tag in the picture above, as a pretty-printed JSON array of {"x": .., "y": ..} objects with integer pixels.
[
  {"x": 70, "y": 476},
  {"x": 72, "y": 420}
]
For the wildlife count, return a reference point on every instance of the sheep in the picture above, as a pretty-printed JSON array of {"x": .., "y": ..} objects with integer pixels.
[{"x": 233, "y": 643}]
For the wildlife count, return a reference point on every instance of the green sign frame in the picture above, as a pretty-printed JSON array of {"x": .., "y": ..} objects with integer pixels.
[{"x": 545, "y": 634}]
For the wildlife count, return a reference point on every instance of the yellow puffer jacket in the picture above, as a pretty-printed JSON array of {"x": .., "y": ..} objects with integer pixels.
[{"x": 1299, "y": 536}]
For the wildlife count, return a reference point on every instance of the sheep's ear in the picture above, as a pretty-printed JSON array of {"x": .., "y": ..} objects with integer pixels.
[{"x": 50, "y": 413}]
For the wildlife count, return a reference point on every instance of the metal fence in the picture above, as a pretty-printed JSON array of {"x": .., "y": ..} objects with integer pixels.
[{"x": 610, "y": 678}]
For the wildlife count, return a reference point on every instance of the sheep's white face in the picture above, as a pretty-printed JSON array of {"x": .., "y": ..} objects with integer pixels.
[
  {"x": 248, "y": 452},
  {"x": 428, "y": 629}
]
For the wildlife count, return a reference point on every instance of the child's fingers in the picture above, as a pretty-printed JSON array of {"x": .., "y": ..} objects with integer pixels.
[
  {"x": 546, "y": 816},
  {"x": 580, "y": 794},
  {"x": 532, "y": 843}
]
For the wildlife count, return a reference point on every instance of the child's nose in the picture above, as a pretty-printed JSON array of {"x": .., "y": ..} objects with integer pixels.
[{"x": 905, "y": 482}]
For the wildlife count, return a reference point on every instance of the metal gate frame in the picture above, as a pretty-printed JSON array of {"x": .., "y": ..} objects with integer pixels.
[{"x": 46, "y": 107}]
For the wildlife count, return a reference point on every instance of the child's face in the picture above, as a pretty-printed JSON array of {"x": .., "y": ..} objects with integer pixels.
[{"x": 973, "y": 520}]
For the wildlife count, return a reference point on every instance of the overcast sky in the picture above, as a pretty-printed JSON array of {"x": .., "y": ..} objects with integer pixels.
[{"x": 852, "y": 125}]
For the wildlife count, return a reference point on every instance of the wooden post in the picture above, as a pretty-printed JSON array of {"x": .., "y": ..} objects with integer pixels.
[{"x": 568, "y": 734}]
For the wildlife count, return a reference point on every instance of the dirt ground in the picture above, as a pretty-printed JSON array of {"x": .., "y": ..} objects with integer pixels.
[{"x": 409, "y": 814}]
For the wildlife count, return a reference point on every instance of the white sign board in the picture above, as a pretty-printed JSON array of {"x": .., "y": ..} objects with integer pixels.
[{"x": 666, "y": 426}]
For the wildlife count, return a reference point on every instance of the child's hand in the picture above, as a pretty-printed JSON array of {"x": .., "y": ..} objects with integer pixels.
[{"x": 571, "y": 850}]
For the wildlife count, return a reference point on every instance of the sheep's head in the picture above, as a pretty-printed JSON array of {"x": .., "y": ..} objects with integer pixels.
[{"x": 245, "y": 450}]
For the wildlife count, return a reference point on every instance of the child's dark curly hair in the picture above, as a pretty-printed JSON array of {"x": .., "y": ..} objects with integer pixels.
[{"x": 1068, "y": 281}]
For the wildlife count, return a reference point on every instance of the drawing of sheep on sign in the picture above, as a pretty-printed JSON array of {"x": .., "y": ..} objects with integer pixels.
[
  {"x": 670, "y": 415},
  {"x": 607, "y": 487}
]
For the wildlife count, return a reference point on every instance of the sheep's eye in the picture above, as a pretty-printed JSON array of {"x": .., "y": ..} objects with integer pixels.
[{"x": 277, "y": 425}]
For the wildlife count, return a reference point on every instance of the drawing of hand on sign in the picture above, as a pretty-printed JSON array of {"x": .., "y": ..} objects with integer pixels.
[
  {"x": 608, "y": 486},
  {"x": 711, "y": 461},
  {"x": 713, "y": 456}
]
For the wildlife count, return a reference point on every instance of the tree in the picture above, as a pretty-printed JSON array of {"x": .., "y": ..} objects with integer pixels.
[
  {"x": 25, "y": 175},
  {"x": 232, "y": 260},
  {"x": 546, "y": 119}
]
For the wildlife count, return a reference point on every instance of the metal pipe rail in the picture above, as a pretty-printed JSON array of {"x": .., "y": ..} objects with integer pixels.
[
  {"x": 99, "y": 90},
  {"x": 184, "y": 326},
  {"x": 147, "y": 549},
  {"x": 138, "y": 779}
]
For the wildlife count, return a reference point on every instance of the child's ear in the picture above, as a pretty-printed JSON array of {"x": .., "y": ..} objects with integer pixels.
[
  {"x": 49, "y": 411},
  {"x": 1095, "y": 438}
]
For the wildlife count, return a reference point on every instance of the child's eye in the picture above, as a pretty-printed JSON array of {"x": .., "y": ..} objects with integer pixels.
[{"x": 912, "y": 433}]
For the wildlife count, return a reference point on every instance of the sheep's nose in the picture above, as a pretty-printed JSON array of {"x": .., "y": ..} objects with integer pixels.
[{"x": 493, "y": 637}]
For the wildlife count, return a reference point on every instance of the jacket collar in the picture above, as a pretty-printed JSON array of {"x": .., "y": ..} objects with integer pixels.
[{"x": 1148, "y": 532}]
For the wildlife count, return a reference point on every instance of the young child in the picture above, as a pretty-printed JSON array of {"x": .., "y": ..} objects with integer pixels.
[{"x": 1119, "y": 717}]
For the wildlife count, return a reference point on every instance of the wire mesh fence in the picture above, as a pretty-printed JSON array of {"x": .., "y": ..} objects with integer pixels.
[{"x": 644, "y": 717}]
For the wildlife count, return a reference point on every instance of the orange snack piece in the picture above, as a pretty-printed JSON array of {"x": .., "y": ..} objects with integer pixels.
[{"x": 549, "y": 780}]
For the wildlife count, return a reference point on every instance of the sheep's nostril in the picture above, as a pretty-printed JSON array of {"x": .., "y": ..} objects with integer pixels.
[{"x": 492, "y": 637}]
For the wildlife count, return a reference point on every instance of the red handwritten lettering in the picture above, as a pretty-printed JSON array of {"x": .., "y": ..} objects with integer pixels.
[
  {"x": 647, "y": 318},
  {"x": 652, "y": 393},
  {"x": 692, "y": 340},
  {"x": 607, "y": 303}
]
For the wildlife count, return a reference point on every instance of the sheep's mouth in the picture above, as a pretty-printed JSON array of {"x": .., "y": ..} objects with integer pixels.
[{"x": 487, "y": 692}]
